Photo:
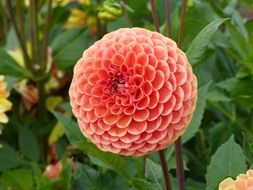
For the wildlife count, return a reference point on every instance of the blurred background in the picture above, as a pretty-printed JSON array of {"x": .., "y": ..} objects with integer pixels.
[{"x": 41, "y": 147}]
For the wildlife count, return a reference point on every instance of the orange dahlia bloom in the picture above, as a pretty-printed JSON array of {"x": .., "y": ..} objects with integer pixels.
[
  {"x": 133, "y": 92},
  {"x": 242, "y": 182}
]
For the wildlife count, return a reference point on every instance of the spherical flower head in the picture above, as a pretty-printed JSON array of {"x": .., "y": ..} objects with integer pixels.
[
  {"x": 133, "y": 92},
  {"x": 242, "y": 182},
  {"x": 5, "y": 104}
]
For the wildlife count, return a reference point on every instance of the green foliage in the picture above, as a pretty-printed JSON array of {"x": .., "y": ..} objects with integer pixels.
[
  {"x": 67, "y": 48},
  {"x": 19, "y": 179},
  {"x": 9, "y": 158},
  {"x": 42, "y": 133},
  {"x": 229, "y": 160},
  {"x": 10, "y": 67},
  {"x": 28, "y": 144},
  {"x": 198, "y": 113},
  {"x": 199, "y": 44}
]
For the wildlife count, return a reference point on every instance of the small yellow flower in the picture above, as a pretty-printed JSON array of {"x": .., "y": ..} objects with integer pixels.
[
  {"x": 76, "y": 19},
  {"x": 5, "y": 105},
  {"x": 242, "y": 182}
]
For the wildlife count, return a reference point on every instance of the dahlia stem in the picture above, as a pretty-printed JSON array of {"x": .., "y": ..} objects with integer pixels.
[
  {"x": 179, "y": 164},
  {"x": 168, "y": 20},
  {"x": 161, "y": 152},
  {"x": 154, "y": 15},
  {"x": 181, "y": 26},
  {"x": 178, "y": 143},
  {"x": 165, "y": 170},
  {"x": 126, "y": 16}
]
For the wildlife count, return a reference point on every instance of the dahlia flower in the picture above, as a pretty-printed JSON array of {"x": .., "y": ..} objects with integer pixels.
[
  {"x": 242, "y": 182},
  {"x": 133, "y": 92},
  {"x": 5, "y": 105}
]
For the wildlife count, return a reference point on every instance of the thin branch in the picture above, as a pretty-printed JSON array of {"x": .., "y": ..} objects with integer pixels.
[
  {"x": 126, "y": 16},
  {"x": 165, "y": 170},
  {"x": 46, "y": 35},
  {"x": 154, "y": 14},
  {"x": 168, "y": 19},
  {"x": 20, "y": 40},
  {"x": 182, "y": 23}
]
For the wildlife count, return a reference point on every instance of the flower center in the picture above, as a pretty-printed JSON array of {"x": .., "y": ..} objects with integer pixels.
[{"x": 117, "y": 83}]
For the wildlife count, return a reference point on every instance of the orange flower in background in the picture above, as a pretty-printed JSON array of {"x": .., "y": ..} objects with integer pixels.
[
  {"x": 5, "y": 105},
  {"x": 53, "y": 170},
  {"x": 242, "y": 182},
  {"x": 133, "y": 92}
]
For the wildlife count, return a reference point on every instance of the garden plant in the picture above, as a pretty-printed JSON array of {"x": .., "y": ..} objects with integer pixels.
[{"x": 126, "y": 94}]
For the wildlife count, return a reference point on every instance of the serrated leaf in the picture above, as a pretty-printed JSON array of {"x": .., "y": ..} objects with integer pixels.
[
  {"x": 9, "y": 158},
  {"x": 201, "y": 41},
  {"x": 198, "y": 114},
  {"x": 8, "y": 66},
  {"x": 154, "y": 173},
  {"x": 28, "y": 144},
  {"x": 228, "y": 161},
  {"x": 20, "y": 179}
]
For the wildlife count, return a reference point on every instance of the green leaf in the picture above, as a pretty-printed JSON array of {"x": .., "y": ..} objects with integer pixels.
[
  {"x": 106, "y": 159},
  {"x": 28, "y": 144},
  {"x": 219, "y": 134},
  {"x": 8, "y": 66},
  {"x": 68, "y": 47},
  {"x": 154, "y": 173},
  {"x": 20, "y": 179},
  {"x": 86, "y": 177},
  {"x": 71, "y": 129},
  {"x": 198, "y": 114},
  {"x": 217, "y": 96},
  {"x": 40, "y": 181},
  {"x": 248, "y": 146},
  {"x": 194, "y": 185},
  {"x": 228, "y": 161},
  {"x": 201, "y": 41},
  {"x": 142, "y": 184},
  {"x": 9, "y": 158}
]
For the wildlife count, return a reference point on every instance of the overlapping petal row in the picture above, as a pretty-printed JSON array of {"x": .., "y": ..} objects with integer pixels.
[
  {"x": 133, "y": 92},
  {"x": 242, "y": 182}
]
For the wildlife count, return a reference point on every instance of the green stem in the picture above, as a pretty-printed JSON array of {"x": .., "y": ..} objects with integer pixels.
[
  {"x": 42, "y": 100},
  {"x": 34, "y": 32},
  {"x": 46, "y": 35},
  {"x": 19, "y": 37}
]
